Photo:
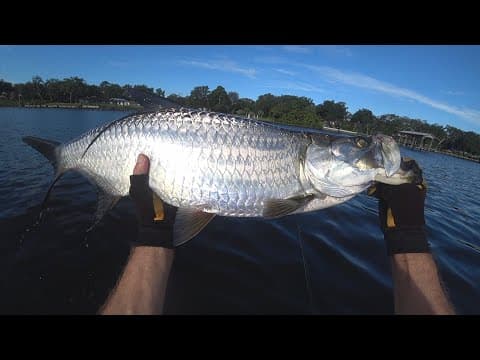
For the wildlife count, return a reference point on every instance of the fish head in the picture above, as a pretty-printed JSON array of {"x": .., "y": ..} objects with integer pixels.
[
  {"x": 346, "y": 166},
  {"x": 369, "y": 152}
]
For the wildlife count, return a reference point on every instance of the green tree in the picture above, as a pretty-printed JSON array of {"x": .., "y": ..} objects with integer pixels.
[
  {"x": 180, "y": 100},
  {"x": 332, "y": 113},
  {"x": 5, "y": 87},
  {"x": 233, "y": 96},
  {"x": 264, "y": 105},
  {"x": 28, "y": 91},
  {"x": 285, "y": 109},
  {"x": 219, "y": 101},
  {"x": 38, "y": 87},
  {"x": 471, "y": 143},
  {"x": 364, "y": 121},
  {"x": 295, "y": 110},
  {"x": 93, "y": 93},
  {"x": 19, "y": 90},
  {"x": 244, "y": 107},
  {"x": 438, "y": 131},
  {"x": 199, "y": 97},
  {"x": 75, "y": 88},
  {"x": 109, "y": 90},
  {"x": 54, "y": 90},
  {"x": 144, "y": 88}
]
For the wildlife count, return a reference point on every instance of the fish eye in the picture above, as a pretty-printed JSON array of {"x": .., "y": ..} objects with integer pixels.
[{"x": 361, "y": 142}]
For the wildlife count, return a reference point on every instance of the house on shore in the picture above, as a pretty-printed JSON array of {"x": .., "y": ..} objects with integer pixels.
[{"x": 119, "y": 101}]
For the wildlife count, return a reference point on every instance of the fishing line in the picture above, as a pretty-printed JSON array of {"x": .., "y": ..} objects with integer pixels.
[
  {"x": 305, "y": 271},
  {"x": 29, "y": 228}
]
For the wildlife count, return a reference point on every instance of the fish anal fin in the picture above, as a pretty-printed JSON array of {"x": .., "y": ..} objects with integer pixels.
[
  {"x": 188, "y": 223},
  {"x": 274, "y": 208},
  {"x": 43, "y": 206}
]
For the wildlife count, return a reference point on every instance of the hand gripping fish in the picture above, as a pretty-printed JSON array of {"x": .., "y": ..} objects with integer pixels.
[{"x": 209, "y": 164}]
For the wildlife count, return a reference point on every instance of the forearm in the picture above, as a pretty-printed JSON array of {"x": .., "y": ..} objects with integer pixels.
[
  {"x": 142, "y": 286},
  {"x": 417, "y": 286}
]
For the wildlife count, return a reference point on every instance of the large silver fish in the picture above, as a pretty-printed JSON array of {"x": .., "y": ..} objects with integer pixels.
[{"x": 209, "y": 164}]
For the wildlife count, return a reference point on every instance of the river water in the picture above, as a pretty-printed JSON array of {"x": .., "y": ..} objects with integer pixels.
[{"x": 331, "y": 261}]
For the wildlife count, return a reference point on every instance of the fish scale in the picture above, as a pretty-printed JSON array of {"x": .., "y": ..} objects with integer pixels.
[
  {"x": 187, "y": 148},
  {"x": 209, "y": 164}
]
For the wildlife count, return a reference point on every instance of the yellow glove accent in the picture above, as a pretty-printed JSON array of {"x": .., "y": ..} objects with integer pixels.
[
  {"x": 423, "y": 185},
  {"x": 371, "y": 190},
  {"x": 158, "y": 207},
  {"x": 390, "y": 219}
]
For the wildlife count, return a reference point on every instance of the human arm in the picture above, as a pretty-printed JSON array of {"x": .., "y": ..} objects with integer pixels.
[
  {"x": 141, "y": 288},
  {"x": 417, "y": 284},
  {"x": 142, "y": 285}
]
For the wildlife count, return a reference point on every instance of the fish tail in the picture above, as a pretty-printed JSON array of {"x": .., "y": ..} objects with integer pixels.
[{"x": 47, "y": 148}]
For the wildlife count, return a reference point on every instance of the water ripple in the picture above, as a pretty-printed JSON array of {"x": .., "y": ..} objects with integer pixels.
[{"x": 235, "y": 265}]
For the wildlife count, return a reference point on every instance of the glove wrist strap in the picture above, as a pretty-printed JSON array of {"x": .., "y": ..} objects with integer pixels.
[
  {"x": 401, "y": 241},
  {"x": 154, "y": 236}
]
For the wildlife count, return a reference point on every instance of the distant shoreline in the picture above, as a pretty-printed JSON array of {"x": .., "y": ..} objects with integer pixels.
[
  {"x": 443, "y": 152},
  {"x": 113, "y": 107},
  {"x": 75, "y": 106}
]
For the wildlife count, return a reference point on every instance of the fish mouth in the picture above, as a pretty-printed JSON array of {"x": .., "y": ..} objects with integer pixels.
[
  {"x": 390, "y": 152},
  {"x": 382, "y": 152}
]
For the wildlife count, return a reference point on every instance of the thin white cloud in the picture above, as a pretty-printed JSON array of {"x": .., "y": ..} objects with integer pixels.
[
  {"x": 302, "y": 86},
  {"x": 367, "y": 82},
  {"x": 297, "y": 49},
  {"x": 222, "y": 65},
  {"x": 270, "y": 60},
  {"x": 263, "y": 48},
  {"x": 336, "y": 50},
  {"x": 285, "y": 72}
]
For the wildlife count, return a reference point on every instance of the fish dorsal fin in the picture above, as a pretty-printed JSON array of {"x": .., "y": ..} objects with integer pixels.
[
  {"x": 105, "y": 202},
  {"x": 188, "y": 223},
  {"x": 109, "y": 126},
  {"x": 280, "y": 207}
]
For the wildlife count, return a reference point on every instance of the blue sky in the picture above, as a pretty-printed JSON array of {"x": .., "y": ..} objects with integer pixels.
[{"x": 439, "y": 84}]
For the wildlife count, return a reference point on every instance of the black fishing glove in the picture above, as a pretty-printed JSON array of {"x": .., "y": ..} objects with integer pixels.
[
  {"x": 401, "y": 214},
  {"x": 155, "y": 218}
]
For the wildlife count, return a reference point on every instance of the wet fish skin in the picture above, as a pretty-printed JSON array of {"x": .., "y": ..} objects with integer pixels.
[
  {"x": 218, "y": 164},
  {"x": 213, "y": 162}
]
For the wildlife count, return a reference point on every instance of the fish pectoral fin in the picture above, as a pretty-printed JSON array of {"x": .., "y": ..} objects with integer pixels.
[
  {"x": 280, "y": 207},
  {"x": 188, "y": 223},
  {"x": 105, "y": 202}
]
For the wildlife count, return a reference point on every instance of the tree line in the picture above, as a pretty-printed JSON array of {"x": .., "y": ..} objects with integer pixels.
[
  {"x": 68, "y": 90},
  {"x": 287, "y": 109}
]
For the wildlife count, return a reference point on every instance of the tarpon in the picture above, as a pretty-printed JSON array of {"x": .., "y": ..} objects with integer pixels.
[{"x": 209, "y": 164}]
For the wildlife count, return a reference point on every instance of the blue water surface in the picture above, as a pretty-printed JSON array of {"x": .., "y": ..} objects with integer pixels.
[{"x": 332, "y": 261}]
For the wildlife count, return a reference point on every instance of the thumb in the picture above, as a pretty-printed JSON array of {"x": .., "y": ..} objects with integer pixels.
[{"x": 142, "y": 166}]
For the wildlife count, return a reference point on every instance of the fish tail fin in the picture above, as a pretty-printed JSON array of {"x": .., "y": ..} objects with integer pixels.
[{"x": 47, "y": 148}]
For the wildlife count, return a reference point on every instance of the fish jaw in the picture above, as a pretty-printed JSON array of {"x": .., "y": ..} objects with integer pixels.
[
  {"x": 405, "y": 174},
  {"x": 390, "y": 153}
]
